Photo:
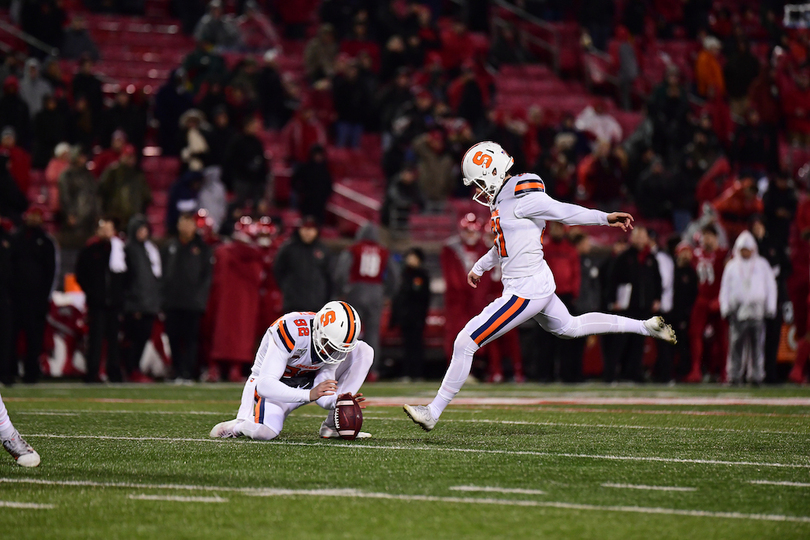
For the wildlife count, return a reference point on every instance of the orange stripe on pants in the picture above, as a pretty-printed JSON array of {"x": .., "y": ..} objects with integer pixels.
[{"x": 500, "y": 320}]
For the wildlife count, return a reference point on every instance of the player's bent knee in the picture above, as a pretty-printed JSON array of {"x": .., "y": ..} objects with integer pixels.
[
  {"x": 464, "y": 346},
  {"x": 570, "y": 331},
  {"x": 263, "y": 433}
]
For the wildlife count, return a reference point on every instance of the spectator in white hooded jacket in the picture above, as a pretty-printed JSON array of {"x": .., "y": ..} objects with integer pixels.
[{"x": 747, "y": 297}]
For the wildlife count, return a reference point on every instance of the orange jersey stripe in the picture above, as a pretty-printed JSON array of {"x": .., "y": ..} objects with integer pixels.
[
  {"x": 494, "y": 326},
  {"x": 285, "y": 335},
  {"x": 352, "y": 325},
  {"x": 529, "y": 185}
]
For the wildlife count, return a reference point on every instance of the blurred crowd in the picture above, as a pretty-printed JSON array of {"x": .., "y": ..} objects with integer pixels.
[{"x": 702, "y": 169}]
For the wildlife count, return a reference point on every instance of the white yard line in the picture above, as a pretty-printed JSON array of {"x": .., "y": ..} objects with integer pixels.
[
  {"x": 76, "y": 412},
  {"x": 601, "y": 400},
  {"x": 776, "y": 483},
  {"x": 434, "y": 449},
  {"x": 30, "y": 506},
  {"x": 650, "y": 488},
  {"x": 546, "y": 504},
  {"x": 48, "y": 413},
  {"x": 91, "y": 483},
  {"x": 489, "y": 489},
  {"x": 269, "y": 492},
  {"x": 174, "y": 498}
]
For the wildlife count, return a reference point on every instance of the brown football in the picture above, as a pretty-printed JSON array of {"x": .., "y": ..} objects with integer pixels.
[{"x": 348, "y": 417}]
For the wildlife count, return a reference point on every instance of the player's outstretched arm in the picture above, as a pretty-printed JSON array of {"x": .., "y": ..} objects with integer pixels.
[
  {"x": 622, "y": 220},
  {"x": 486, "y": 263}
]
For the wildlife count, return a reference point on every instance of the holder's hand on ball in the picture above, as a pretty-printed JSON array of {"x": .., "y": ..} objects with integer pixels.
[{"x": 326, "y": 388}]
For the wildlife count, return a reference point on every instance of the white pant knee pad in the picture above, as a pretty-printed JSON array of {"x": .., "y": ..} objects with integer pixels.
[{"x": 258, "y": 432}]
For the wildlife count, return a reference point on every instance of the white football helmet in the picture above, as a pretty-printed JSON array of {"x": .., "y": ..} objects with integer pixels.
[
  {"x": 335, "y": 331},
  {"x": 484, "y": 166}
]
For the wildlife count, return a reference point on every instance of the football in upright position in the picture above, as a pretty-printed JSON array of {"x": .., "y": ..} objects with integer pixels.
[{"x": 348, "y": 417}]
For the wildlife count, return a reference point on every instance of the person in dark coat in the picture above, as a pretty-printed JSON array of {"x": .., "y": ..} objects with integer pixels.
[
  {"x": 271, "y": 92},
  {"x": 33, "y": 268},
  {"x": 50, "y": 128},
  {"x": 101, "y": 273},
  {"x": 14, "y": 111},
  {"x": 312, "y": 183},
  {"x": 246, "y": 167},
  {"x": 409, "y": 312},
  {"x": 7, "y": 371},
  {"x": 78, "y": 41},
  {"x": 351, "y": 99},
  {"x": 187, "y": 272},
  {"x": 142, "y": 293},
  {"x": 780, "y": 203},
  {"x": 741, "y": 68},
  {"x": 13, "y": 201},
  {"x": 85, "y": 83},
  {"x": 779, "y": 261},
  {"x": 127, "y": 115},
  {"x": 402, "y": 199},
  {"x": 634, "y": 289},
  {"x": 171, "y": 101},
  {"x": 183, "y": 197},
  {"x": 303, "y": 270},
  {"x": 754, "y": 149},
  {"x": 220, "y": 136},
  {"x": 673, "y": 361}
]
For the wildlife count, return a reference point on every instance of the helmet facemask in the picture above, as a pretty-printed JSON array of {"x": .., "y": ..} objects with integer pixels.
[
  {"x": 485, "y": 166},
  {"x": 332, "y": 349}
]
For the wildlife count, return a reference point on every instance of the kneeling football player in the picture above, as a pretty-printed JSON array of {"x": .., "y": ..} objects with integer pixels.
[{"x": 303, "y": 357}]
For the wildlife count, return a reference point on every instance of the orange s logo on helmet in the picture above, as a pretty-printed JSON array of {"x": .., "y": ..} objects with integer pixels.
[
  {"x": 481, "y": 158},
  {"x": 327, "y": 318}
]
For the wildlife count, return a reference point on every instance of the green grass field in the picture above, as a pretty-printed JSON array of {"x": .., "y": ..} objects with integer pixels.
[{"x": 529, "y": 462}]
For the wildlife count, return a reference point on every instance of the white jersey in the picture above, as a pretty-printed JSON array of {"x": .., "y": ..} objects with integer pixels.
[
  {"x": 286, "y": 356},
  {"x": 520, "y": 211}
]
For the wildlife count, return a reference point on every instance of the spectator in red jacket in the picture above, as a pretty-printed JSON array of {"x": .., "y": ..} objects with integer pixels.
[
  {"x": 736, "y": 205},
  {"x": 457, "y": 45},
  {"x": 709, "y": 260},
  {"x": 763, "y": 95},
  {"x": 296, "y": 16},
  {"x": 359, "y": 41},
  {"x": 301, "y": 132},
  {"x": 600, "y": 175},
  {"x": 366, "y": 279},
  {"x": 563, "y": 260},
  {"x": 796, "y": 107},
  {"x": 457, "y": 257},
  {"x": 19, "y": 161},
  {"x": 110, "y": 155}
]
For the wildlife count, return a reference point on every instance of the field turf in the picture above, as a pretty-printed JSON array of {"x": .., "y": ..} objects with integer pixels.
[{"x": 127, "y": 462}]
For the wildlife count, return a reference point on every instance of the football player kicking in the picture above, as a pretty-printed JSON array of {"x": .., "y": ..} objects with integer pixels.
[
  {"x": 303, "y": 357},
  {"x": 21, "y": 451},
  {"x": 520, "y": 209}
]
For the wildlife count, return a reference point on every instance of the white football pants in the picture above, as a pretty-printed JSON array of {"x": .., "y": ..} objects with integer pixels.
[
  {"x": 6, "y": 427},
  {"x": 509, "y": 311},
  {"x": 263, "y": 419}
]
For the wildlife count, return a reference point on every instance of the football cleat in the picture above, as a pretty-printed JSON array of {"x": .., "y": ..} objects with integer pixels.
[
  {"x": 420, "y": 414},
  {"x": 660, "y": 330},
  {"x": 328, "y": 432},
  {"x": 224, "y": 430},
  {"x": 21, "y": 451}
]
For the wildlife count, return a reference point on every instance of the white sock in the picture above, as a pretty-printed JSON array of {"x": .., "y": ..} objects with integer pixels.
[
  {"x": 6, "y": 427},
  {"x": 456, "y": 376},
  {"x": 589, "y": 324}
]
